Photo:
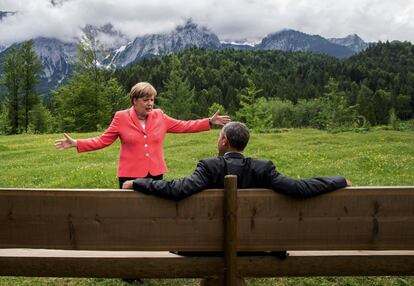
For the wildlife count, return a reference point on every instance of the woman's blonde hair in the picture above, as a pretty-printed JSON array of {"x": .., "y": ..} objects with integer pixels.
[{"x": 140, "y": 90}]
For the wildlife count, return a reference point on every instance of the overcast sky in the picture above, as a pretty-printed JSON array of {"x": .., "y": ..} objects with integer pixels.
[{"x": 372, "y": 20}]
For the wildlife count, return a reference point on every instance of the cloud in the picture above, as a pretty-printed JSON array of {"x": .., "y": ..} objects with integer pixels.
[{"x": 373, "y": 20}]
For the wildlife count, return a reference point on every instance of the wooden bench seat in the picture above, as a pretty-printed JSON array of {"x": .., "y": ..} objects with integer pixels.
[
  {"x": 112, "y": 233},
  {"x": 113, "y": 264}
]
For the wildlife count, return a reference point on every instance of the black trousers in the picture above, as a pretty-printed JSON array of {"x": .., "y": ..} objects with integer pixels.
[{"x": 124, "y": 179}]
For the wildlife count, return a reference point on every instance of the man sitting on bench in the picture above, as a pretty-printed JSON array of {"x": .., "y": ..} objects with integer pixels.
[{"x": 251, "y": 173}]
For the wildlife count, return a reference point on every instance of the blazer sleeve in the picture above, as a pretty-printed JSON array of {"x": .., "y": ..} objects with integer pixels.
[
  {"x": 99, "y": 142},
  {"x": 189, "y": 126},
  {"x": 303, "y": 188},
  {"x": 176, "y": 189}
]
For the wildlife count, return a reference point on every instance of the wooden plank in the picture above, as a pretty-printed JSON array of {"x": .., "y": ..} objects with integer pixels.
[
  {"x": 51, "y": 263},
  {"x": 106, "y": 220},
  {"x": 230, "y": 237},
  {"x": 325, "y": 263},
  {"x": 372, "y": 218},
  {"x": 355, "y": 218}
]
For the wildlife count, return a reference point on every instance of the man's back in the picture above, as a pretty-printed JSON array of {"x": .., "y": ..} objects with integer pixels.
[{"x": 251, "y": 173}]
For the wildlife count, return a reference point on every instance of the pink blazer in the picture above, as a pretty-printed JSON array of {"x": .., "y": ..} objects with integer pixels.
[{"x": 141, "y": 149}]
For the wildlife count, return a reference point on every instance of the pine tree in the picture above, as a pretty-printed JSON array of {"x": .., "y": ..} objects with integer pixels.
[
  {"x": 382, "y": 106},
  {"x": 79, "y": 108},
  {"x": 177, "y": 98},
  {"x": 254, "y": 111},
  {"x": 41, "y": 119},
  {"x": 3, "y": 118},
  {"x": 12, "y": 68},
  {"x": 89, "y": 52},
  {"x": 91, "y": 97},
  {"x": 247, "y": 98},
  {"x": 335, "y": 110},
  {"x": 31, "y": 68},
  {"x": 364, "y": 103},
  {"x": 88, "y": 64}
]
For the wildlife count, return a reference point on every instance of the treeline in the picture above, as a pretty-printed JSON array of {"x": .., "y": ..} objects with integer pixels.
[
  {"x": 85, "y": 103},
  {"x": 265, "y": 89},
  {"x": 21, "y": 108},
  {"x": 297, "y": 89}
]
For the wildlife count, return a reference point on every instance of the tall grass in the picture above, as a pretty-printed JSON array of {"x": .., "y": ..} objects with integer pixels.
[{"x": 374, "y": 158}]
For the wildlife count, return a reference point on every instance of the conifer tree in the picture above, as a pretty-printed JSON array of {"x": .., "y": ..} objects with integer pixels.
[
  {"x": 12, "y": 68},
  {"x": 30, "y": 74},
  {"x": 91, "y": 97},
  {"x": 335, "y": 110},
  {"x": 177, "y": 98},
  {"x": 364, "y": 104},
  {"x": 253, "y": 110}
]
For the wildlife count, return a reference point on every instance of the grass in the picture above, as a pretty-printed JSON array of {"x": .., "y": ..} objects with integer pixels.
[{"x": 373, "y": 158}]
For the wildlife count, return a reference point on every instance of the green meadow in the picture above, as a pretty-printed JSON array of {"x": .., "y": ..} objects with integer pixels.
[{"x": 373, "y": 158}]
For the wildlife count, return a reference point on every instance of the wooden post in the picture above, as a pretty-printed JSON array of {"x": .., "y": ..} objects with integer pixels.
[{"x": 230, "y": 234}]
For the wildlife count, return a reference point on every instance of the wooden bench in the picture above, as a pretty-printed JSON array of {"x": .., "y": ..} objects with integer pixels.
[{"x": 112, "y": 233}]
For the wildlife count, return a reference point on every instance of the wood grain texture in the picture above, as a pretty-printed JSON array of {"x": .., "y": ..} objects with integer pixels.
[
  {"x": 51, "y": 263},
  {"x": 230, "y": 237},
  {"x": 369, "y": 218}
]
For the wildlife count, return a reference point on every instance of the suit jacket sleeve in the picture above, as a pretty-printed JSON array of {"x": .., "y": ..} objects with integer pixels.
[
  {"x": 189, "y": 126},
  {"x": 303, "y": 188},
  {"x": 176, "y": 189},
  {"x": 107, "y": 138}
]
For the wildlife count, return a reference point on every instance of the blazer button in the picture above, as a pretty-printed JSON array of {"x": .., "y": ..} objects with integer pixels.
[
  {"x": 145, "y": 136},
  {"x": 146, "y": 145},
  {"x": 147, "y": 154}
]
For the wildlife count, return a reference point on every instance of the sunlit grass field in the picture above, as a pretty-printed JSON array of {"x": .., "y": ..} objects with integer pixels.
[{"x": 373, "y": 158}]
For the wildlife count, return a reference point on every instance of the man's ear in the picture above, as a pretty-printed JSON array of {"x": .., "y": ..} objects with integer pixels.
[{"x": 224, "y": 141}]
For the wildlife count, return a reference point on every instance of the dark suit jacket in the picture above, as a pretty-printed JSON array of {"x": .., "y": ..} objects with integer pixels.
[{"x": 251, "y": 173}]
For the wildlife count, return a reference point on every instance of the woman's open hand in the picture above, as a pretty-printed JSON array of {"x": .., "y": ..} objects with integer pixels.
[
  {"x": 219, "y": 119},
  {"x": 65, "y": 143}
]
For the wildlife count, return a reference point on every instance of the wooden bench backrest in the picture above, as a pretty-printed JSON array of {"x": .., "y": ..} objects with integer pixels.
[{"x": 359, "y": 218}]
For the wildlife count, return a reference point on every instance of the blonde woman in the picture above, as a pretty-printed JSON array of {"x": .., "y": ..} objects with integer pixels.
[{"x": 141, "y": 129}]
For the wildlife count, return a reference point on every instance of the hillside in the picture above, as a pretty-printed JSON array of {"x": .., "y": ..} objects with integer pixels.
[{"x": 377, "y": 79}]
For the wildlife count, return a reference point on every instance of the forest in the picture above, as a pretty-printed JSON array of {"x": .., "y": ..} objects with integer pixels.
[{"x": 268, "y": 90}]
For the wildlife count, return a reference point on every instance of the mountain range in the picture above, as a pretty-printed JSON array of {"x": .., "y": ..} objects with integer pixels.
[{"x": 57, "y": 56}]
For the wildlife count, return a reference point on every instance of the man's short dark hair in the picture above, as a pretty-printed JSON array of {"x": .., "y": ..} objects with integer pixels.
[{"x": 237, "y": 134}]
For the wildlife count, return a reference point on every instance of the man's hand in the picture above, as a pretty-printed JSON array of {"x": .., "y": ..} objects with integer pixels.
[
  {"x": 348, "y": 183},
  {"x": 65, "y": 143},
  {"x": 128, "y": 184},
  {"x": 219, "y": 120}
]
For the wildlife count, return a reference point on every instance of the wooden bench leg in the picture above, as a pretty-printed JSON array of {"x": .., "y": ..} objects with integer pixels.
[
  {"x": 220, "y": 281},
  {"x": 230, "y": 231}
]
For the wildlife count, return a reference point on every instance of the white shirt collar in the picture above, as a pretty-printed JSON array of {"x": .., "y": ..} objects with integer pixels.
[{"x": 230, "y": 152}]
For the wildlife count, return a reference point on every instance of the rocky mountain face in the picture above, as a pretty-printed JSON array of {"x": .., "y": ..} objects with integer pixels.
[
  {"x": 291, "y": 40},
  {"x": 57, "y": 57},
  {"x": 182, "y": 38},
  {"x": 353, "y": 42},
  {"x": 57, "y": 60}
]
